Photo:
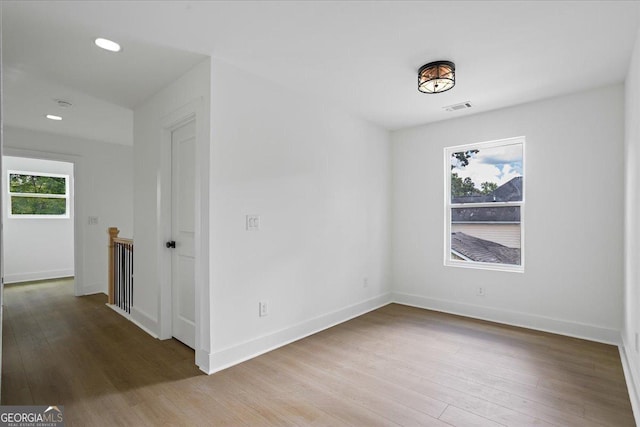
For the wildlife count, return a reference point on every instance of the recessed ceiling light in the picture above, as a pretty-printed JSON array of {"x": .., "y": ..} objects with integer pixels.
[
  {"x": 107, "y": 44},
  {"x": 53, "y": 117}
]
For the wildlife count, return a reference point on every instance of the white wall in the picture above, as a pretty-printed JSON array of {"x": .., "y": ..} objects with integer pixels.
[
  {"x": 153, "y": 120},
  {"x": 41, "y": 248},
  {"x": 631, "y": 327},
  {"x": 103, "y": 188},
  {"x": 319, "y": 179},
  {"x": 572, "y": 282}
]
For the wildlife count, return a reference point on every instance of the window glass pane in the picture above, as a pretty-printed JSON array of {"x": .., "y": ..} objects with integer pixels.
[
  {"x": 486, "y": 234},
  {"x": 38, "y": 206},
  {"x": 491, "y": 174},
  {"x": 497, "y": 215},
  {"x": 38, "y": 184}
]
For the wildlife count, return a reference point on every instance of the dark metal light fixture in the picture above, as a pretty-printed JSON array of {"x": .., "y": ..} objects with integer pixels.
[{"x": 436, "y": 77}]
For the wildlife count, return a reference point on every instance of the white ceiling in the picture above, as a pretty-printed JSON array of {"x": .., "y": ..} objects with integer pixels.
[{"x": 361, "y": 56}]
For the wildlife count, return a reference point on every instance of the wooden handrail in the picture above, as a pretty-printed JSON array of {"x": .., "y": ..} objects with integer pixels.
[
  {"x": 123, "y": 240},
  {"x": 113, "y": 234}
]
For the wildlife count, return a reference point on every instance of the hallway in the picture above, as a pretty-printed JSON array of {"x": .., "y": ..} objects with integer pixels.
[{"x": 79, "y": 353}]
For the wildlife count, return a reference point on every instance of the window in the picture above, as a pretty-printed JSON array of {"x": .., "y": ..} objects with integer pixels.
[
  {"x": 484, "y": 207},
  {"x": 38, "y": 195}
]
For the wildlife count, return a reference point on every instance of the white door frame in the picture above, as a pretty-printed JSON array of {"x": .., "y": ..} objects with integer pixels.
[
  {"x": 78, "y": 211},
  {"x": 172, "y": 121}
]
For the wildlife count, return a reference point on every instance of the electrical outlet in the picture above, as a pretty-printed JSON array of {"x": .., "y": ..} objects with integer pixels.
[
  {"x": 481, "y": 291},
  {"x": 93, "y": 220},
  {"x": 365, "y": 282},
  {"x": 263, "y": 308}
]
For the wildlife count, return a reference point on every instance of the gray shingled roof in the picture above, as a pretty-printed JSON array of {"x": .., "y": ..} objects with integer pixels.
[
  {"x": 508, "y": 192},
  {"x": 483, "y": 250},
  {"x": 486, "y": 214}
]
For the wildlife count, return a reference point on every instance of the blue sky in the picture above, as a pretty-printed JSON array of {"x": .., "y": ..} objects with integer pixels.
[{"x": 495, "y": 164}]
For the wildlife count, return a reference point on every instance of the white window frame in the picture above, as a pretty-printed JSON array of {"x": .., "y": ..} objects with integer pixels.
[
  {"x": 65, "y": 196},
  {"x": 448, "y": 206}
]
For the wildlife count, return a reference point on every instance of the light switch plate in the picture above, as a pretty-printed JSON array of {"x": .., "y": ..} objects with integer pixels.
[
  {"x": 263, "y": 308},
  {"x": 253, "y": 222}
]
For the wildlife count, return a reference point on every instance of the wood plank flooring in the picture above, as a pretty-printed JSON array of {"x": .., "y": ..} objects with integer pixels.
[{"x": 395, "y": 366}]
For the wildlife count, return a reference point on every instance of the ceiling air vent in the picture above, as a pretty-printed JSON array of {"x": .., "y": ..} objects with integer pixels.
[{"x": 456, "y": 107}]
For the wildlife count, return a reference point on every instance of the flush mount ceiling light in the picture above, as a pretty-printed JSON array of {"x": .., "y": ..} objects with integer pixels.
[
  {"x": 107, "y": 44},
  {"x": 436, "y": 77},
  {"x": 53, "y": 117}
]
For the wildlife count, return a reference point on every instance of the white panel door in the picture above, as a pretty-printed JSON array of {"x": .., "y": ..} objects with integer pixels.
[{"x": 183, "y": 143}]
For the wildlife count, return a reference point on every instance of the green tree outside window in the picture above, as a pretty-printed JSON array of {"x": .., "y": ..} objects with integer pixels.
[{"x": 33, "y": 194}]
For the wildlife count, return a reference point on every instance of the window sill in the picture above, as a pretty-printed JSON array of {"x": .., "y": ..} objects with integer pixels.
[{"x": 485, "y": 266}]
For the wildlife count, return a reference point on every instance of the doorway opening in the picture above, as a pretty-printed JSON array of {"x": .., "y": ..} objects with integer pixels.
[{"x": 38, "y": 217}]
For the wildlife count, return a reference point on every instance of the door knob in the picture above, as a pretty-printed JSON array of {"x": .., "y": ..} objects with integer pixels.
[{"x": 171, "y": 244}]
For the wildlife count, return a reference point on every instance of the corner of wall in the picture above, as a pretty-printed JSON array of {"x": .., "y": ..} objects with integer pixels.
[
  {"x": 631, "y": 379},
  {"x": 631, "y": 322},
  {"x": 93, "y": 288},
  {"x": 144, "y": 321}
]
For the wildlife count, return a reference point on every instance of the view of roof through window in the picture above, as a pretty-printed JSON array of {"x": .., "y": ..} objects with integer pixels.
[{"x": 485, "y": 205}]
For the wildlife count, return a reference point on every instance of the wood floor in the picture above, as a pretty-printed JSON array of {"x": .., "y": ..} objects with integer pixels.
[{"x": 394, "y": 366}]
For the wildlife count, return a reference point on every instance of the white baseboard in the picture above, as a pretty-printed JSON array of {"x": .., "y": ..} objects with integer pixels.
[
  {"x": 96, "y": 288},
  {"x": 37, "y": 275},
  {"x": 118, "y": 310},
  {"x": 631, "y": 380},
  {"x": 144, "y": 321},
  {"x": 202, "y": 360},
  {"x": 131, "y": 319},
  {"x": 513, "y": 318},
  {"x": 241, "y": 352}
]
